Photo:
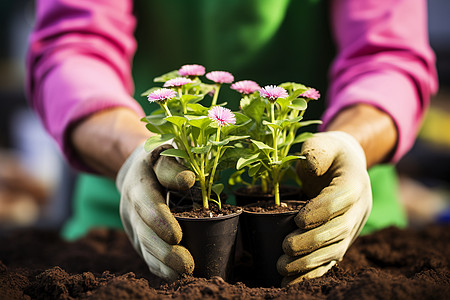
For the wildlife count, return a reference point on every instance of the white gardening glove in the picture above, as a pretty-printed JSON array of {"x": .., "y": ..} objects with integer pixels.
[
  {"x": 333, "y": 174},
  {"x": 146, "y": 218}
]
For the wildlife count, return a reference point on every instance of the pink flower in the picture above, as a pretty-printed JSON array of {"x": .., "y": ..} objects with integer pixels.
[
  {"x": 192, "y": 70},
  {"x": 161, "y": 95},
  {"x": 311, "y": 94},
  {"x": 245, "y": 86},
  {"x": 179, "y": 81},
  {"x": 223, "y": 116},
  {"x": 220, "y": 77},
  {"x": 273, "y": 92}
]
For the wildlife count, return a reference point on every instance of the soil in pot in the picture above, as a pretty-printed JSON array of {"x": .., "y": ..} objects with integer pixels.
[
  {"x": 252, "y": 194},
  {"x": 264, "y": 227},
  {"x": 210, "y": 236}
]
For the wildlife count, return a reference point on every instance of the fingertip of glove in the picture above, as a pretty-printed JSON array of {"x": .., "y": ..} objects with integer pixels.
[
  {"x": 288, "y": 245},
  {"x": 181, "y": 260},
  {"x": 282, "y": 263},
  {"x": 290, "y": 280},
  {"x": 185, "y": 180},
  {"x": 300, "y": 218}
]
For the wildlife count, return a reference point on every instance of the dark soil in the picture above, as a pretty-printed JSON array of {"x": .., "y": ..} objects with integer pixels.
[
  {"x": 214, "y": 211},
  {"x": 389, "y": 264},
  {"x": 270, "y": 207}
]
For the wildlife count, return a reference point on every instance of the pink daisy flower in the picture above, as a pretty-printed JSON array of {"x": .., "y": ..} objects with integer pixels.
[
  {"x": 176, "y": 82},
  {"x": 192, "y": 70},
  {"x": 223, "y": 116},
  {"x": 161, "y": 95},
  {"x": 245, "y": 86},
  {"x": 273, "y": 92},
  {"x": 311, "y": 94},
  {"x": 220, "y": 77}
]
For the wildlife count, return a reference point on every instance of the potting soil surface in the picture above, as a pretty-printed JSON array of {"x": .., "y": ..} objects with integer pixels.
[{"x": 389, "y": 264}]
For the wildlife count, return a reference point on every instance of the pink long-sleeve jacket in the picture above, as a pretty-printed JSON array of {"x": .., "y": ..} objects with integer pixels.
[{"x": 79, "y": 62}]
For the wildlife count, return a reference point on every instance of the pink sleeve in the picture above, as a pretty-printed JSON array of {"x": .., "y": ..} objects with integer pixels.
[
  {"x": 79, "y": 62},
  {"x": 384, "y": 59}
]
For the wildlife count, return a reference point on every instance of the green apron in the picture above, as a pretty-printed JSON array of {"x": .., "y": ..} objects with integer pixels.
[{"x": 269, "y": 41}]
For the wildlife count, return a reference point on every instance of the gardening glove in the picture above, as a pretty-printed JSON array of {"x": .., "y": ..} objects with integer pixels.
[
  {"x": 147, "y": 220},
  {"x": 334, "y": 175}
]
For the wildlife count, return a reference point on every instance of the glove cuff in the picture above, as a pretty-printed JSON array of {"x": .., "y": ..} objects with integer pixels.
[
  {"x": 351, "y": 142},
  {"x": 126, "y": 166}
]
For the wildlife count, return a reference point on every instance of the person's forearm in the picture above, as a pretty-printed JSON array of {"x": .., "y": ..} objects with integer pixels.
[
  {"x": 104, "y": 140},
  {"x": 371, "y": 127}
]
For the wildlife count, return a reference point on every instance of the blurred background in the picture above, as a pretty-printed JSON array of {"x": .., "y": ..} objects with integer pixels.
[{"x": 36, "y": 183}]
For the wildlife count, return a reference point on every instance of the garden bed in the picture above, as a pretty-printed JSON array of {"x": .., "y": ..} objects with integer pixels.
[{"x": 389, "y": 264}]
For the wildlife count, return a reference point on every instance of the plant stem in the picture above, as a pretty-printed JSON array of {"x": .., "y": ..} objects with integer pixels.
[
  {"x": 275, "y": 179},
  {"x": 166, "y": 108},
  {"x": 216, "y": 95},
  {"x": 274, "y": 132},
  {"x": 216, "y": 161},
  {"x": 180, "y": 93},
  {"x": 276, "y": 191},
  {"x": 204, "y": 194}
]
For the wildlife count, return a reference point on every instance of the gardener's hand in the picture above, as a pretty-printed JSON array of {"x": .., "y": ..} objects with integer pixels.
[
  {"x": 147, "y": 220},
  {"x": 334, "y": 175}
]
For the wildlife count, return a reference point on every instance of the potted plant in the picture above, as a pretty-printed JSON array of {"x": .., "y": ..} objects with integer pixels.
[
  {"x": 277, "y": 113},
  {"x": 201, "y": 136}
]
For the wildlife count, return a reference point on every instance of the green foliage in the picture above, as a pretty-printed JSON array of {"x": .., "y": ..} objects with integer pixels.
[
  {"x": 259, "y": 143},
  {"x": 272, "y": 136}
]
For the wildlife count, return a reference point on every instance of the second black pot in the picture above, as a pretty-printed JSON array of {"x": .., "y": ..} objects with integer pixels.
[{"x": 264, "y": 234}]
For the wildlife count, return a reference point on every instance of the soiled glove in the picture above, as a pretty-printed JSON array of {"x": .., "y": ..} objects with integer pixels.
[
  {"x": 334, "y": 174},
  {"x": 146, "y": 218}
]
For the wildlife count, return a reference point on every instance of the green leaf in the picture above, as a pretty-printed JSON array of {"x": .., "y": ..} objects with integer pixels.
[
  {"x": 253, "y": 108},
  {"x": 287, "y": 122},
  {"x": 297, "y": 92},
  {"x": 156, "y": 120},
  {"x": 261, "y": 145},
  {"x": 292, "y": 86},
  {"x": 157, "y": 140},
  {"x": 200, "y": 122},
  {"x": 283, "y": 103},
  {"x": 299, "y": 104},
  {"x": 272, "y": 125},
  {"x": 244, "y": 161},
  {"x": 167, "y": 76},
  {"x": 229, "y": 139},
  {"x": 241, "y": 119},
  {"x": 302, "y": 137},
  {"x": 201, "y": 150},
  {"x": 191, "y": 98},
  {"x": 252, "y": 170},
  {"x": 306, "y": 123},
  {"x": 177, "y": 120},
  {"x": 217, "y": 188},
  {"x": 290, "y": 158},
  {"x": 175, "y": 153},
  {"x": 236, "y": 178},
  {"x": 205, "y": 88},
  {"x": 197, "y": 108}
]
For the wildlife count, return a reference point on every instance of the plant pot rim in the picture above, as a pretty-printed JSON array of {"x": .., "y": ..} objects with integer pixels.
[
  {"x": 273, "y": 212},
  {"x": 208, "y": 219}
]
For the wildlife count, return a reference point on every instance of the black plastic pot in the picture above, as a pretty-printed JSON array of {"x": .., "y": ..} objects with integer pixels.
[
  {"x": 252, "y": 194},
  {"x": 211, "y": 241},
  {"x": 264, "y": 234}
]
